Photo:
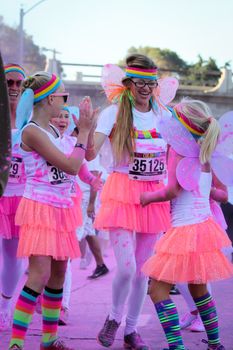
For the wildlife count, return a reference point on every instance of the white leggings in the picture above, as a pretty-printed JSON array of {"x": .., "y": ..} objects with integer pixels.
[
  {"x": 129, "y": 281},
  {"x": 12, "y": 267}
]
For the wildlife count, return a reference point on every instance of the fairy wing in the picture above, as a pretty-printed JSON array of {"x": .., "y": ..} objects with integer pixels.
[
  {"x": 180, "y": 139},
  {"x": 223, "y": 168},
  {"x": 24, "y": 108},
  {"x": 111, "y": 78},
  {"x": 188, "y": 172},
  {"x": 188, "y": 169},
  {"x": 166, "y": 90},
  {"x": 225, "y": 142}
]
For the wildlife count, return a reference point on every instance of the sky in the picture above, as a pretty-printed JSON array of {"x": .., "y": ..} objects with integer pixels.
[{"x": 99, "y": 32}]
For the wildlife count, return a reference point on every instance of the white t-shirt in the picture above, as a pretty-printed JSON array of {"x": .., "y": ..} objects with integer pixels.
[{"x": 143, "y": 122}]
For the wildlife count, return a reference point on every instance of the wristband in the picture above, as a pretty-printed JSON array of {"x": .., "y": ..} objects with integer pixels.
[{"x": 81, "y": 145}]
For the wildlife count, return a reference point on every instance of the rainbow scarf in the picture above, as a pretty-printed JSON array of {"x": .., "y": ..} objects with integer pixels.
[
  {"x": 146, "y": 134},
  {"x": 193, "y": 129},
  {"x": 47, "y": 89},
  {"x": 14, "y": 68},
  {"x": 132, "y": 72}
]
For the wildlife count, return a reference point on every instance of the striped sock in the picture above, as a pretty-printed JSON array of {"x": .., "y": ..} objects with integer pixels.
[
  {"x": 24, "y": 310},
  {"x": 51, "y": 306},
  {"x": 169, "y": 320},
  {"x": 208, "y": 313}
]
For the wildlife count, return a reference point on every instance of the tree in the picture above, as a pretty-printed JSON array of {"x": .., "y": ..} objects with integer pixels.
[
  {"x": 9, "y": 45},
  {"x": 165, "y": 59},
  {"x": 204, "y": 72}
]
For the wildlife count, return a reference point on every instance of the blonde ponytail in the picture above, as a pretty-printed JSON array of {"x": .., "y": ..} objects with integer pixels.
[{"x": 209, "y": 141}]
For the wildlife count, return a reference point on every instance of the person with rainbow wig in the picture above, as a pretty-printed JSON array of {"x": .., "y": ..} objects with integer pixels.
[
  {"x": 191, "y": 251},
  {"x": 139, "y": 152},
  {"x": 9, "y": 232},
  {"x": 45, "y": 214}
]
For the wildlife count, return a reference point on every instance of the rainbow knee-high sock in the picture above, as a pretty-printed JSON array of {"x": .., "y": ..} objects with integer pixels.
[
  {"x": 24, "y": 310},
  {"x": 169, "y": 320},
  {"x": 51, "y": 307},
  {"x": 208, "y": 313}
]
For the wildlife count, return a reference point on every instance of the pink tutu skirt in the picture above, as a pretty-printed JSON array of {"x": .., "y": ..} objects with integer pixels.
[
  {"x": 191, "y": 254},
  {"x": 120, "y": 206},
  {"x": 77, "y": 208},
  {"x": 46, "y": 230},
  {"x": 8, "y": 207}
]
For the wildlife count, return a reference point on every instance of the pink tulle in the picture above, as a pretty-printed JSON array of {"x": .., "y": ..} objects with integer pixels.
[
  {"x": 120, "y": 206},
  {"x": 8, "y": 207},
  {"x": 192, "y": 254},
  {"x": 46, "y": 230}
]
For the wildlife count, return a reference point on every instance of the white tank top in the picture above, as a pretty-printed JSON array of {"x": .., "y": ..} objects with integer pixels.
[
  {"x": 45, "y": 183},
  {"x": 191, "y": 207},
  {"x": 17, "y": 176}
]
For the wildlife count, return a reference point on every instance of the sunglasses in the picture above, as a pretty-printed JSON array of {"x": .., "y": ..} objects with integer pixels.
[
  {"x": 65, "y": 95},
  {"x": 11, "y": 83}
]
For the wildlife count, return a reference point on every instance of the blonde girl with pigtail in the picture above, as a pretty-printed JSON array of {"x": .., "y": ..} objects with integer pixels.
[
  {"x": 191, "y": 250},
  {"x": 45, "y": 215},
  {"x": 139, "y": 153}
]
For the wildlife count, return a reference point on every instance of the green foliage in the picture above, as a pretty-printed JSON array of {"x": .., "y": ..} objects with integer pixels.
[
  {"x": 9, "y": 44},
  {"x": 200, "y": 73}
]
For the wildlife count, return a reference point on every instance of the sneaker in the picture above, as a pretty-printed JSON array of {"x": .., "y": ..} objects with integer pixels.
[
  {"x": 38, "y": 308},
  {"x": 174, "y": 291},
  {"x": 5, "y": 320},
  {"x": 63, "y": 318},
  {"x": 133, "y": 341},
  {"x": 100, "y": 270},
  {"x": 107, "y": 334},
  {"x": 197, "y": 325},
  {"x": 15, "y": 347},
  {"x": 212, "y": 347},
  {"x": 58, "y": 344},
  {"x": 186, "y": 320}
]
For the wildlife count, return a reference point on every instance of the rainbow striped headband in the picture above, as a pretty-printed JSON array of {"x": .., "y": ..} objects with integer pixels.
[
  {"x": 14, "y": 68},
  {"x": 132, "y": 72},
  {"x": 193, "y": 129},
  {"x": 47, "y": 89}
]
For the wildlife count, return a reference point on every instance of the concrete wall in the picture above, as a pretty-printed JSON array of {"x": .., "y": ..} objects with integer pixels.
[{"x": 217, "y": 101}]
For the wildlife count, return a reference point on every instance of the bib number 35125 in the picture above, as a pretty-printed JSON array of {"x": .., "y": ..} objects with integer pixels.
[{"x": 148, "y": 167}]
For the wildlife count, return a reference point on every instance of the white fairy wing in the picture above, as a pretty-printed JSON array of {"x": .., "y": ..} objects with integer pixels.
[
  {"x": 223, "y": 168},
  {"x": 225, "y": 143},
  {"x": 188, "y": 172},
  {"x": 111, "y": 75},
  {"x": 166, "y": 90},
  {"x": 180, "y": 139}
]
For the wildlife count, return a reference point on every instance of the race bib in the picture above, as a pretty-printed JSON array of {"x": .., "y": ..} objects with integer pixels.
[
  {"x": 56, "y": 176},
  {"x": 16, "y": 169},
  {"x": 148, "y": 167}
]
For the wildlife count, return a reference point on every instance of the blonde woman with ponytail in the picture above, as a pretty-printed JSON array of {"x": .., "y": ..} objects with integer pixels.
[
  {"x": 191, "y": 250},
  {"x": 139, "y": 165}
]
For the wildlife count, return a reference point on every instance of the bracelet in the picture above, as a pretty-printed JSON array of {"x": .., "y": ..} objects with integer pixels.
[{"x": 81, "y": 145}]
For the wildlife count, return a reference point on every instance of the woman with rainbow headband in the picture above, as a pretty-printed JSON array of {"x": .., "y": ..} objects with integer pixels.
[
  {"x": 139, "y": 165},
  {"x": 9, "y": 232},
  {"x": 191, "y": 250},
  {"x": 45, "y": 215}
]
